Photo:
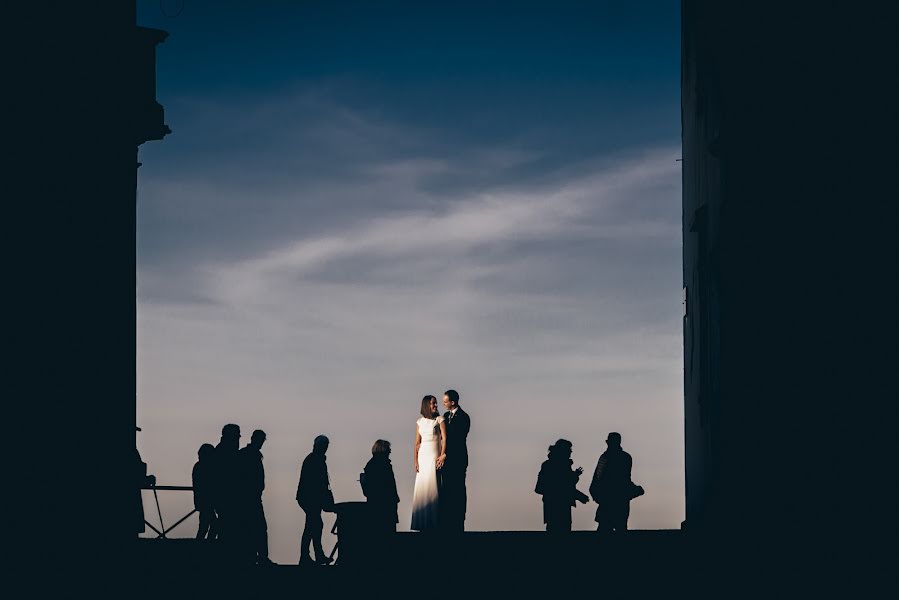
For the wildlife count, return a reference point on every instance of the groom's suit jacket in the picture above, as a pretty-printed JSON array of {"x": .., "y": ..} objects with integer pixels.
[{"x": 457, "y": 428}]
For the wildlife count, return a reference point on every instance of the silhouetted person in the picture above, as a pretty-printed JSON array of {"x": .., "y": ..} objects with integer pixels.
[
  {"x": 453, "y": 495},
  {"x": 612, "y": 487},
  {"x": 141, "y": 481},
  {"x": 557, "y": 483},
  {"x": 379, "y": 487},
  {"x": 314, "y": 495},
  {"x": 226, "y": 486},
  {"x": 203, "y": 481},
  {"x": 252, "y": 514}
]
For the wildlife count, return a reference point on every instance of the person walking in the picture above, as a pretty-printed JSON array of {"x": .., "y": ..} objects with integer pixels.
[{"x": 314, "y": 495}]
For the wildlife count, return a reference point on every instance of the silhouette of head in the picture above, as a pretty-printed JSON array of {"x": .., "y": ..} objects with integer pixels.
[
  {"x": 381, "y": 447},
  {"x": 561, "y": 449},
  {"x": 320, "y": 444},
  {"x": 614, "y": 440},
  {"x": 429, "y": 407},
  {"x": 231, "y": 435},
  {"x": 206, "y": 452},
  {"x": 257, "y": 439},
  {"x": 450, "y": 399}
]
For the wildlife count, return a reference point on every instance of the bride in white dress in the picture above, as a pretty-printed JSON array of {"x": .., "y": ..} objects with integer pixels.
[{"x": 430, "y": 453}]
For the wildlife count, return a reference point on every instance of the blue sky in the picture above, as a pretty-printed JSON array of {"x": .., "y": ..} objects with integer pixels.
[{"x": 363, "y": 203}]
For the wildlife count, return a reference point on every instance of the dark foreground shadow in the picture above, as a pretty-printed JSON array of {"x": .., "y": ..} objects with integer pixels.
[{"x": 513, "y": 564}]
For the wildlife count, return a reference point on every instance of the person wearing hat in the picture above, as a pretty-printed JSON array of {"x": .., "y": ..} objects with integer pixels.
[
  {"x": 142, "y": 481},
  {"x": 612, "y": 487}
]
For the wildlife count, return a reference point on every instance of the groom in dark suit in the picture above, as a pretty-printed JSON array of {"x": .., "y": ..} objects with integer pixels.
[{"x": 453, "y": 497}]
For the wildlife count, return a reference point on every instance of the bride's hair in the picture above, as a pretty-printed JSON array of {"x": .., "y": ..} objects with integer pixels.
[{"x": 426, "y": 407}]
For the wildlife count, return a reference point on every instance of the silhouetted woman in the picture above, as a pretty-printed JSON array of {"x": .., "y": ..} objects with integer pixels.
[
  {"x": 557, "y": 483},
  {"x": 203, "y": 478},
  {"x": 379, "y": 487}
]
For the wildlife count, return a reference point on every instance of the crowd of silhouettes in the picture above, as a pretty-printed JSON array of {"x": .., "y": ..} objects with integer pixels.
[{"x": 228, "y": 482}]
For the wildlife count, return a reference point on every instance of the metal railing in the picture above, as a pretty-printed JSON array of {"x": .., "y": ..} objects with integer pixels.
[{"x": 162, "y": 532}]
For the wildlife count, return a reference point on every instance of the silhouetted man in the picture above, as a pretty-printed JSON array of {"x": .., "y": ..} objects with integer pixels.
[
  {"x": 612, "y": 487},
  {"x": 453, "y": 495},
  {"x": 314, "y": 495},
  {"x": 255, "y": 527},
  {"x": 225, "y": 496},
  {"x": 141, "y": 481}
]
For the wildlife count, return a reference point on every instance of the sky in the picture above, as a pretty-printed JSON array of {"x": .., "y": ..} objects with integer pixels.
[{"x": 363, "y": 203}]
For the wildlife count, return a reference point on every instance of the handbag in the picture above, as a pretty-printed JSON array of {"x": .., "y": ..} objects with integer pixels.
[{"x": 636, "y": 491}]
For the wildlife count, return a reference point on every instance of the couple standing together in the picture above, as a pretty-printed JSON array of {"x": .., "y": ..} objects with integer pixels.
[{"x": 441, "y": 460}]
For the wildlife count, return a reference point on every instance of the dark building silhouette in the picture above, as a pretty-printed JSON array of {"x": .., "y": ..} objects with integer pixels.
[
  {"x": 80, "y": 114},
  {"x": 790, "y": 272},
  {"x": 149, "y": 122}
]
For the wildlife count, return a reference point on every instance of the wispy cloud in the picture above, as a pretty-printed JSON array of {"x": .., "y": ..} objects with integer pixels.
[
  {"x": 583, "y": 209},
  {"x": 383, "y": 265}
]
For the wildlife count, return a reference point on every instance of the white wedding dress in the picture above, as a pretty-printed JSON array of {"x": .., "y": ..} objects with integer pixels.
[{"x": 424, "y": 496}]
